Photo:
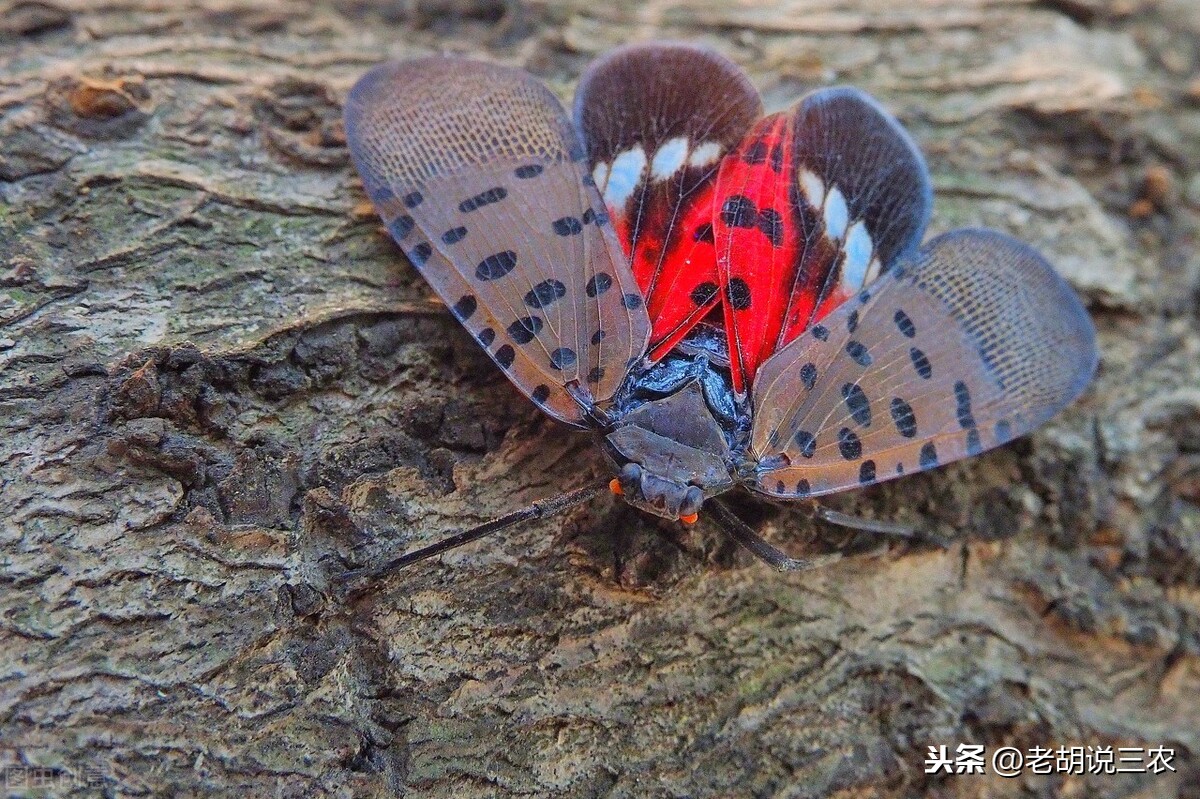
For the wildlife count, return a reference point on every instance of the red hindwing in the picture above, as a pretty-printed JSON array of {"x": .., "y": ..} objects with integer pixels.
[{"x": 656, "y": 121}]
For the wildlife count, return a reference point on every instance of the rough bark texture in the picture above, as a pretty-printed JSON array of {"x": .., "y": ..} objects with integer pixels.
[{"x": 221, "y": 385}]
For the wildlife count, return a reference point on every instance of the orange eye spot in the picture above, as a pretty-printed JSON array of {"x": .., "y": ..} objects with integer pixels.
[
  {"x": 614, "y": 485},
  {"x": 690, "y": 518}
]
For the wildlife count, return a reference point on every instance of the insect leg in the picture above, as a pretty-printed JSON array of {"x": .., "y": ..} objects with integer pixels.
[
  {"x": 538, "y": 510},
  {"x": 737, "y": 529}
]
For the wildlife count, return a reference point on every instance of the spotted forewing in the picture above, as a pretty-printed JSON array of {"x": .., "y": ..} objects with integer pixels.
[
  {"x": 965, "y": 345},
  {"x": 481, "y": 179}
]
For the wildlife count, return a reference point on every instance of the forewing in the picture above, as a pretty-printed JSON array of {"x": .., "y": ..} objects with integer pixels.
[
  {"x": 972, "y": 342},
  {"x": 656, "y": 120},
  {"x": 842, "y": 194},
  {"x": 481, "y": 179}
]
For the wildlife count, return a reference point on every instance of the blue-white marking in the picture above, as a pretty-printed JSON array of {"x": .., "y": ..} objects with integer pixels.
[
  {"x": 837, "y": 215},
  {"x": 669, "y": 157},
  {"x": 624, "y": 176},
  {"x": 859, "y": 249},
  {"x": 814, "y": 188},
  {"x": 705, "y": 154},
  {"x": 600, "y": 176},
  {"x": 872, "y": 270}
]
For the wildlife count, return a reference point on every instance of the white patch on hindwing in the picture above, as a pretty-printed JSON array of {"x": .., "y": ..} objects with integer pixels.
[
  {"x": 624, "y": 176},
  {"x": 813, "y": 187},
  {"x": 705, "y": 154},
  {"x": 859, "y": 250},
  {"x": 837, "y": 214},
  {"x": 669, "y": 158}
]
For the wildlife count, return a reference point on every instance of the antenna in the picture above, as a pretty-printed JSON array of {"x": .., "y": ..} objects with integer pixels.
[{"x": 538, "y": 510}]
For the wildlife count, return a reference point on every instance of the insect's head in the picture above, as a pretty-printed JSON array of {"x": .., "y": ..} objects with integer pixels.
[
  {"x": 671, "y": 455},
  {"x": 658, "y": 495}
]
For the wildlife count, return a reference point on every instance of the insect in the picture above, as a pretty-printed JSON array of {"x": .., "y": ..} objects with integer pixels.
[{"x": 725, "y": 299}]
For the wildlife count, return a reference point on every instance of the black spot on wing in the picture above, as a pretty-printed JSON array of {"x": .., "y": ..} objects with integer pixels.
[
  {"x": 756, "y": 153},
  {"x": 777, "y": 157},
  {"x": 857, "y": 403},
  {"x": 496, "y": 266},
  {"x": 904, "y": 418},
  {"x": 419, "y": 255},
  {"x": 486, "y": 336},
  {"x": 738, "y": 292},
  {"x": 962, "y": 399},
  {"x": 488, "y": 197},
  {"x": 974, "y": 445},
  {"x": 866, "y": 472},
  {"x": 771, "y": 224},
  {"x": 505, "y": 356},
  {"x": 454, "y": 235},
  {"x": 807, "y": 443},
  {"x": 401, "y": 226},
  {"x": 803, "y": 489},
  {"x": 703, "y": 293},
  {"x": 599, "y": 284},
  {"x": 528, "y": 171},
  {"x": 808, "y": 375},
  {"x": 598, "y": 336},
  {"x": 596, "y": 375},
  {"x": 852, "y": 321},
  {"x": 849, "y": 444},
  {"x": 545, "y": 293},
  {"x": 465, "y": 307},
  {"x": 563, "y": 358},
  {"x": 704, "y": 233},
  {"x": 525, "y": 329},
  {"x": 413, "y": 199},
  {"x": 739, "y": 211},
  {"x": 905, "y": 324},
  {"x": 567, "y": 226},
  {"x": 820, "y": 332},
  {"x": 929, "y": 457},
  {"x": 858, "y": 353},
  {"x": 921, "y": 363},
  {"x": 631, "y": 300},
  {"x": 540, "y": 394}
]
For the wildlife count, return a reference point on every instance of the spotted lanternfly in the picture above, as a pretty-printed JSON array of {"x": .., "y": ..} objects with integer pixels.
[{"x": 727, "y": 299}]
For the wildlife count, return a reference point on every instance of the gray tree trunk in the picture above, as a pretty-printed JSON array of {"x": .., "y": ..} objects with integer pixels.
[{"x": 221, "y": 384}]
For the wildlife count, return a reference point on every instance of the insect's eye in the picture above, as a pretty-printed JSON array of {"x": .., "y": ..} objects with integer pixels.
[{"x": 630, "y": 478}]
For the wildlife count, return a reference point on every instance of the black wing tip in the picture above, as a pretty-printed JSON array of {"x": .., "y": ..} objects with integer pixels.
[
  {"x": 854, "y": 98},
  {"x": 650, "y": 56},
  {"x": 651, "y": 51}
]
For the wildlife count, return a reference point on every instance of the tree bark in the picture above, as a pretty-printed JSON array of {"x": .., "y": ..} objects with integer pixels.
[{"x": 221, "y": 385}]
